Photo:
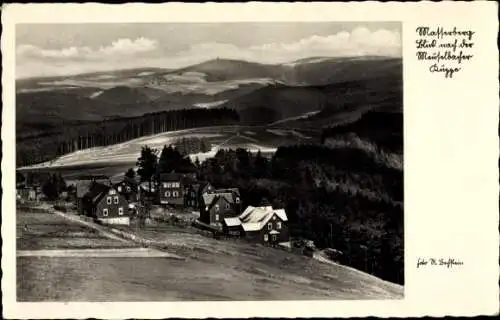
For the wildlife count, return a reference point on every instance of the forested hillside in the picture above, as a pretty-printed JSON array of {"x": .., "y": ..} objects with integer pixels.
[
  {"x": 338, "y": 202},
  {"x": 72, "y": 137}
]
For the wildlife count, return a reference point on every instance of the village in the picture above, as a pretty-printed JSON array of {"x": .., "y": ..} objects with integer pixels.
[{"x": 214, "y": 211}]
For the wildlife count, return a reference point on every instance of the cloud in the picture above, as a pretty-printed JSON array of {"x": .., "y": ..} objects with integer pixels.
[
  {"x": 359, "y": 42},
  {"x": 144, "y": 52},
  {"x": 120, "y": 47}
]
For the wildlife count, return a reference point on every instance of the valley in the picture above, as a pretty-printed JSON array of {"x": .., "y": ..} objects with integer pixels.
[{"x": 96, "y": 110}]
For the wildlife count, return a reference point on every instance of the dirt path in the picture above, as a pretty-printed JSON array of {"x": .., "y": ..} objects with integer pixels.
[
  {"x": 92, "y": 225},
  {"x": 100, "y": 253}
]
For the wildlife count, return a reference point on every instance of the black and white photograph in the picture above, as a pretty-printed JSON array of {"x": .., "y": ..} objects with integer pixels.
[
  {"x": 209, "y": 161},
  {"x": 250, "y": 160}
]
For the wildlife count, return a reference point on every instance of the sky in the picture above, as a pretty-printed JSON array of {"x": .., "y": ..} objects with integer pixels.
[{"x": 64, "y": 49}]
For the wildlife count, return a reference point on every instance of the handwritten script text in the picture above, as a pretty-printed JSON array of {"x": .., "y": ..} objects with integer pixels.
[{"x": 444, "y": 50}]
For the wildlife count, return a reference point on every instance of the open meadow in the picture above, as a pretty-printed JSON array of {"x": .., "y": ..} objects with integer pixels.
[{"x": 203, "y": 268}]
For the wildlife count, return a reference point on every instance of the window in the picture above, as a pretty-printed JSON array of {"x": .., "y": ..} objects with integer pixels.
[
  {"x": 105, "y": 212},
  {"x": 227, "y": 205},
  {"x": 237, "y": 199},
  {"x": 175, "y": 193},
  {"x": 216, "y": 207},
  {"x": 112, "y": 191},
  {"x": 116, "y": 200},
  {"x": 120, "y": 211},
  {"x": 128, "y": 189},
  {"x": 278, "y": 225},
  {"x": 269, "y": 226},
  {"x": 108, "y": 200},
  {"x": 273, "y": 237},
  {"x": 164, "y": 184},
  {"x": 119, "y": 189},
  {"x": 176, "y": 184},
  {"x": 167, "y": 194},
  {"x": 216, "y": 217},
  {"x": 266, "y": 237}
]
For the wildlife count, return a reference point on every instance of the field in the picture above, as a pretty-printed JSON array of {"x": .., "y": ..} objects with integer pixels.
[
  {"x": 204, "y": 268},
  {"x": 36, "y": 231},
  {"x": 116, "y": 159}
]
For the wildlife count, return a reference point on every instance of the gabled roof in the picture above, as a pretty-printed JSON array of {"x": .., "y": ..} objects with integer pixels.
[
  {"x": 255, "y": 218},
  {"x": 210, "y": 199},
  {"x": 96, "y": 192},
  {"x": 232, "y": 222},
  {"x": 236, "y": 191},
  {"x": 83, "y": 185}
]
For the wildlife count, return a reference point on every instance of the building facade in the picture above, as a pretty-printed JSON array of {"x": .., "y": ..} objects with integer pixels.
[
  {"x": 215, "y": 206},
  {"x": 106, "y": 205}
]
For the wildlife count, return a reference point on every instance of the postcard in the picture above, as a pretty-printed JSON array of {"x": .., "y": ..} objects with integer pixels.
[{"x": 242, "y": 160}]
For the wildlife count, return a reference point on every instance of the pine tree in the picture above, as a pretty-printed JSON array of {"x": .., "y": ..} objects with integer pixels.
[
  {"x": 147, "y": 164},
  {"x": 130, "y": 174}
]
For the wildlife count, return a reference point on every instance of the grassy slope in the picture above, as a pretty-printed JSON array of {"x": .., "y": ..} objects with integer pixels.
[
  {"x": 213, "y": 270},
  {"x": 49, "y": 231}
]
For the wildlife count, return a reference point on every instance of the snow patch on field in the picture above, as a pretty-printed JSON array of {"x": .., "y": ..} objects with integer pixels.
[
  {"x": 127, "y": 152},
  {"x": 208, "y": 105},
  {"x": 145, "y": 73},
  {"x": 96, "y": 94}
]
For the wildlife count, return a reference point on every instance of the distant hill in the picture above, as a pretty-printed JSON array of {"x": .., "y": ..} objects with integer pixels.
[
  {"x": 322, "y": 71},
  {"x": 128, "y": 95},
  {"x": 227, "y": 69},
  {"x": 309, "y": 71},
  {"x": 278, "y": 102}
]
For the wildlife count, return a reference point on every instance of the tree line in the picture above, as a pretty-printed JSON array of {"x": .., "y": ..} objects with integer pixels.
[{"x": 73, "y": 137}]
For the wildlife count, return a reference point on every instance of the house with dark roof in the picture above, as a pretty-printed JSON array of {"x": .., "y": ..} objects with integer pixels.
[
  {"x": 146, "y": 194},
  {"x": 215, "y": 206},
  {"x": 260, "y": 224},
  {"x": 172, "y": 188},
  {"x": 128, "y": 188},
  {"x": 106, "y": 205},
  {"x": 194, "y": 192},
  {"x": 83, "y": 184}
]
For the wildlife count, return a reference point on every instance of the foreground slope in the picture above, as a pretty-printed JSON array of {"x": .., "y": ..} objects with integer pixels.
[{"x": 209, "y": 270}]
